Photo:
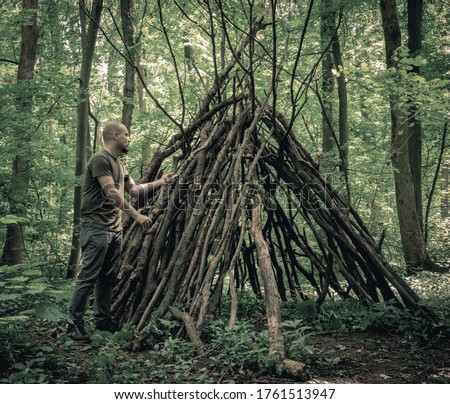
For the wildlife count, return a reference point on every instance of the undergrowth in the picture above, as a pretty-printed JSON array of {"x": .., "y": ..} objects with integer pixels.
[{"x": 35, "y": 349}]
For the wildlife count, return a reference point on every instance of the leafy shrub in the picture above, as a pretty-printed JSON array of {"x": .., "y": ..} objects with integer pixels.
[
  {"x": 27, "y": 292},
  {"x": 239, "y": 346}
]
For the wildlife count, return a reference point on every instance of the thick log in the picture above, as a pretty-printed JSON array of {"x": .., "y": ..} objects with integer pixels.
[{"x": 271, "y": 295}]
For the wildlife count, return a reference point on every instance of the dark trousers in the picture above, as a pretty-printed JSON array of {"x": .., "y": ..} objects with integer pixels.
[{"x": 100, "y": 263}]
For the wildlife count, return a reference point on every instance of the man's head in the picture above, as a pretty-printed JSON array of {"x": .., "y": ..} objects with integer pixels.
[{"x": 116, "y": 137}]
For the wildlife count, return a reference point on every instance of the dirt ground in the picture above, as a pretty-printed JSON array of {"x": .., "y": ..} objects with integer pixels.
[
  {"x": 379, "y": 358},
  {"x": 373, "y": 358}
]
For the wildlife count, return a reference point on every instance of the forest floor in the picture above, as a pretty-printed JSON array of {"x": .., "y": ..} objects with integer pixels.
[
  {"x": 343, "y": 343},
  {"x": 382, "y": 358},
  {"x": 48, "y": 356}
]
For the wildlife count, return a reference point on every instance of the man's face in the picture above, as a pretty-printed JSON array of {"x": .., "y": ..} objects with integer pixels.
[{"x": 124, "y": 139}]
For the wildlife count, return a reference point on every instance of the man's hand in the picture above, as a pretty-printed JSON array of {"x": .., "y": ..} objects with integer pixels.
[
  {"x": 170, "y": 178},
  {"x": 144, "y": 222}
]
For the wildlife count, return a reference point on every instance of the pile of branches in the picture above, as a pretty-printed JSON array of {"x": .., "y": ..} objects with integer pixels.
[{"x": 249, "y": 210}]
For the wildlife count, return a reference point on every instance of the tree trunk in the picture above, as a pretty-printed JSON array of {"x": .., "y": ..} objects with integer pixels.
[
  {"x": 88, "y": 47},
  {"x": 126, "y": 10},
  {"x": 413, "y": 242},
  {"x": 445, "y": 203},
  {"x": 343, "y": 108},
  {"x": 415, "y": 9},
  {"x": 141, "y": 90},
  {"x": 329, "y": 146},
  {"x": 14, "y": 245}
]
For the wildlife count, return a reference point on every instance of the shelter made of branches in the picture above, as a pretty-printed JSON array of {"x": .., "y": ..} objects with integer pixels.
[{"x": 247, "y": 181}]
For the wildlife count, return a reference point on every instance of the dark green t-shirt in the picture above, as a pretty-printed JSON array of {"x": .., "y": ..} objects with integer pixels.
[{"x": 96, "y": 209}]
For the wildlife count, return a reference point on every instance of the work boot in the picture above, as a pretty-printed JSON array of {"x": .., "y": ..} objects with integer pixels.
[
  {"x": 107, "y": 324},
  {"x": 77, "y": 333}
]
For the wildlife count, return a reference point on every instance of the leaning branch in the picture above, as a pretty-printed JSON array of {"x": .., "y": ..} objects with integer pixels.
[{"x": 14, "y": 62}]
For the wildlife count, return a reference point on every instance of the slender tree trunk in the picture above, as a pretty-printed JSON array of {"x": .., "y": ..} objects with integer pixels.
[
  {"x": 14, "y": 246},
  {"x": 88, "y": 47},
  {"x": 343, "y": 105},
  {"x": 413, "y": 242},
  {"x": 415, "y": 11},
  {"x": 126, "y": 10},
  {"x": 434, "y": 182},
  {"x": 329, "y": 146},
  {"x": 141, "y": 90},
  {"x": 446, "y": 187}
]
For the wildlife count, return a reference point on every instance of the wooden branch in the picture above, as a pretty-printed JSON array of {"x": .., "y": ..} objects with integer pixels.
[
  {"x": 14, "y": 62},
  {"x": 271, "y": 296},
  {"x": 190, "y": 327},
  {"x": 435, "y": 178}
]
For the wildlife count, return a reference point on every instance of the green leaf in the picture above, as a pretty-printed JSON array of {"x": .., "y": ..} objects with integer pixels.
[
  {"x": 59, "y": 294},
  {"x": 19, "y": 279},
  {"x": 19, "y": 366},
  {"x": 29, "y": 312},
  {"x": 32, "y": 272},
  {"x": 50, "y": 312},
  {"x": 5, "y": 297},
  {"x": 13, "y": 319},
  {"x": 12, "y": 219},
  {"x": 35, "y": 290}
]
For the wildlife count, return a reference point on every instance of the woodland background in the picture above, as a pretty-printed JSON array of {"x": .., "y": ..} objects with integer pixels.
[{"x": 62, "y": 75}]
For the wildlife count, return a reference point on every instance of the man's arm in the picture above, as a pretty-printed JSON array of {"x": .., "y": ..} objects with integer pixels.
[
  {"x": 136, "y": 190},
  {"x": 110, "y": 191}
]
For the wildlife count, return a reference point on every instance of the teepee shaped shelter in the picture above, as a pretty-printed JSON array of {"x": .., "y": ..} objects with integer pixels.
[{"x": 249, "y": 210}]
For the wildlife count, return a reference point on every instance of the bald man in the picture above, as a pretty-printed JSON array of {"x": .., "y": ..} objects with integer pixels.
[{"x": 103, "y": 202}]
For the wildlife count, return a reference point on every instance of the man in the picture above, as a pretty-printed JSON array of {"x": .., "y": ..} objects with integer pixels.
[{"x": 106, "y": 180}]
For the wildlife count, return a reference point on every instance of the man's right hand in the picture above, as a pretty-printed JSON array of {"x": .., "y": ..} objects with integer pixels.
[
  {"x": 170, "y": 178},
  {"x": 144, "y": 221}
]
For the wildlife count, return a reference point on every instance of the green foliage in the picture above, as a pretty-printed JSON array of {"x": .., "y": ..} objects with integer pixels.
[
  {"x": 27, "y": 361},
  {"x": 116, "y": 364},
  {"x": 301, "y": 309},
  {"x": 231, "y": 353},
  {"x": 12, "y": 219},
  {"x": 29, "y": 372},
  {"x": 46, "y": 138},
  {"x": 239, "y": 346},
  {"x": 296, "y": 335},
  {"x": 26, "y": 291},
  {"x": 160, "y": 327},
  {"x": 351, "y": 316},
  {"x": 111, "y": 364},
  {"x": 50, "y": 312}
]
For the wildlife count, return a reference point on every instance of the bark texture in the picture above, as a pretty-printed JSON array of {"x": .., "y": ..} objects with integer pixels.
[
  {"x": 413, "y": 241},
  {"x": 126, "y": 11},
  {"x": 88, "y": 46},
  {"x": 14, "y": 249}
]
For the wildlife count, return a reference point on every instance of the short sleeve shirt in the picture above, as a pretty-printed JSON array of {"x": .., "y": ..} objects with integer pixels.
[{"x": 97, "y": 210}]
